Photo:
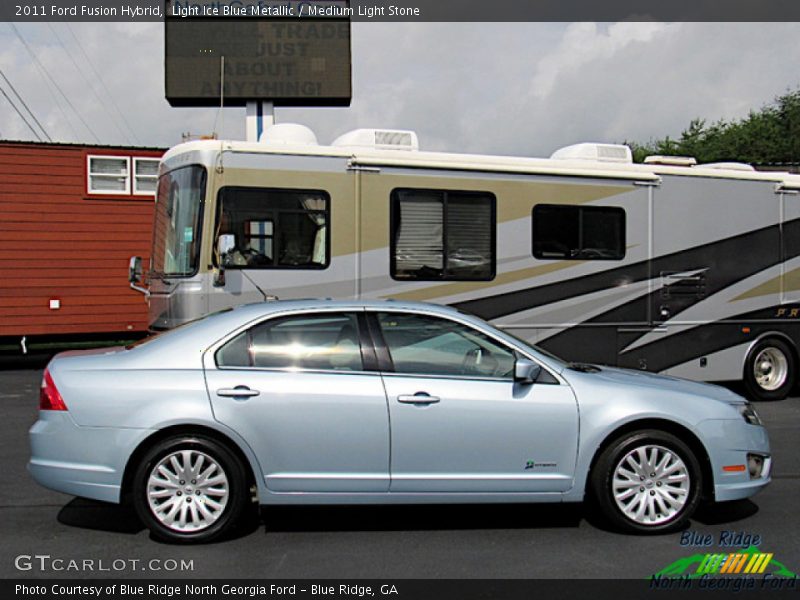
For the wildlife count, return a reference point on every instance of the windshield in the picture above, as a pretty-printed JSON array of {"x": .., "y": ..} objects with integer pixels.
[{"x": 176, "y": 239}]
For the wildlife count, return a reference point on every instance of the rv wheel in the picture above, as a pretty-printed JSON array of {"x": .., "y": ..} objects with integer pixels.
[{"x": 769, "y": 372}]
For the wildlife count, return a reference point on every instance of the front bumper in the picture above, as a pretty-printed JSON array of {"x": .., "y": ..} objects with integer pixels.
[
  {"x": 729, "y": 441},
  {"x": 82, "y": 461}
]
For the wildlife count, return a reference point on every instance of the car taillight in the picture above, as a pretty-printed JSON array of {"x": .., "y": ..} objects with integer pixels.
[{"x": 49, "y": 398}]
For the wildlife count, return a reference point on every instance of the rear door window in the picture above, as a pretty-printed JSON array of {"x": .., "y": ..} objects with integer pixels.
[{"x": 325, "y": 341}]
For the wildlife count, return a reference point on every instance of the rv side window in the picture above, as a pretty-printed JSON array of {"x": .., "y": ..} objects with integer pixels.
[
  {"x": 578, "y": 232},
  {"x": 273, "y": 228},
  {"x": 442, "y": 235}
]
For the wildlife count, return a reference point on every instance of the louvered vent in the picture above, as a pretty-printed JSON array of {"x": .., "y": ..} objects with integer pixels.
[
  {"x": 619, "y": 153},
  {"x": 379, "y": 139},
  {"x": 393, "y": 138},
  {"x": 615, "y": 153}
]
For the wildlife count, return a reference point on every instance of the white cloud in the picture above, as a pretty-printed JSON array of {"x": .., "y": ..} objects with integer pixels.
[
  {"x": 587, "y": 42},
  {"x": 649, "y": 88},
  {"x": 515, "y": 88}
]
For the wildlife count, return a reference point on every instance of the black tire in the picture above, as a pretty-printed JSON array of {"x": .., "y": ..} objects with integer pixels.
[
  {"x": 770, "y": 348},
  {"x": 225, "y": 518},
  {"x": 602, "y": 482}
]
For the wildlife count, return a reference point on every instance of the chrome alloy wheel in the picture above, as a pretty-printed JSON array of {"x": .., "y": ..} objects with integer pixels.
[
  {"x": 651, "y": 484},
  {"x": 770, "y": 368},
  {"x": 187, "y": 491}
]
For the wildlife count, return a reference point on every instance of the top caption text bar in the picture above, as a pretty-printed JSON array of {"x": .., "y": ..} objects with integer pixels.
[{"x": 404, "y": 10}]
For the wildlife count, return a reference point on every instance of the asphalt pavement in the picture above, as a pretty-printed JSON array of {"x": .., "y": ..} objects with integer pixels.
[{"x": 82, "y": 538}]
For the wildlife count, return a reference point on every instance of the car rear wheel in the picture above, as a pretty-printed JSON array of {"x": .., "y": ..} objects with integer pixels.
[
  {"x": 769, "y": 372},
  {"x": 647, "y": 482},
  {"x": 190, "y": 488}
]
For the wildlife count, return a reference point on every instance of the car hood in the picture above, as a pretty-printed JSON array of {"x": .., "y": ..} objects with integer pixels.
[{"x": 664, "y": 383}]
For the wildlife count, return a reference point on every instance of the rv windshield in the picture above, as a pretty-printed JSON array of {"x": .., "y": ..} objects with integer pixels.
[{"x": 179, "y": 210}]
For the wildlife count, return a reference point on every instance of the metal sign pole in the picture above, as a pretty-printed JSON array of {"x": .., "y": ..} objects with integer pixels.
[{"x": 260, "y": 115}]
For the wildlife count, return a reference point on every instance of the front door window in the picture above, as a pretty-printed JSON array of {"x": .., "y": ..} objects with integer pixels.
[{"x": 424, "y": 345}]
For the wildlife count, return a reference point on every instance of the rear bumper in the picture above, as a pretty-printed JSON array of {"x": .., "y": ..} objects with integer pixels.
[
  {"x": 729, "y": 443},
  {"x": 82, "y": 461}
]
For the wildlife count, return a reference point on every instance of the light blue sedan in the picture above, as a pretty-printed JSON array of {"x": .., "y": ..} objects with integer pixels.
[{"x": 317, "y": 402}]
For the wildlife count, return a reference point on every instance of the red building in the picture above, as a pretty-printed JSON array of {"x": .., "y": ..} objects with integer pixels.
[{"x": 71, "y": 216}]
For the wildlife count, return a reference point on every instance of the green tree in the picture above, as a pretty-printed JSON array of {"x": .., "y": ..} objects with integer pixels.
[{"x": 769, "y": 135}]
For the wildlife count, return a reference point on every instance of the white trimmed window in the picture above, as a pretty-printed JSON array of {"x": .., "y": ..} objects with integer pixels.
[
  {"x": 109, "y": 174},
  {"x": 145, "y": 176}
]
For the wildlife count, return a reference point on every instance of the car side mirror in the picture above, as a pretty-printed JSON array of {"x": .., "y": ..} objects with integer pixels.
[
  {"x": 135, "y": 269},
  {"x": 526, "y": 371}
]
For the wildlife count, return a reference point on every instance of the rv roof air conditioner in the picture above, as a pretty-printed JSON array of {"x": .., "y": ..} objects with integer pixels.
[
  {"x": 288, "y": 134},
  {"x": 730, "y": 166},
  {"x": 378, "y": 139},
  {"x": 614, "y": 153},
  {"x": 672, "y": 161}
]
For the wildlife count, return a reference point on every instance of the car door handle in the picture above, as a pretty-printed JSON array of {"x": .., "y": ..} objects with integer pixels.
[
  {"x": 418, "y": 398},
  {"x": 240, "y": 391}
]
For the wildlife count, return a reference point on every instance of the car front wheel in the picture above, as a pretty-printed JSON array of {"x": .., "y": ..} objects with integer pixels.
[
  {"x": 647, "y": 482},
  {"x": 190, "y": 488}
]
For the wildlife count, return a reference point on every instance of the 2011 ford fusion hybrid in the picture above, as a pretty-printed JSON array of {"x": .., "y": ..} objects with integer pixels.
[{"x": 319, "y": 402}]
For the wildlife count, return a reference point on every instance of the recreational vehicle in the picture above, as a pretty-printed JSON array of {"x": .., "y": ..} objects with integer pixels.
[{"x": 667, "y": 266}]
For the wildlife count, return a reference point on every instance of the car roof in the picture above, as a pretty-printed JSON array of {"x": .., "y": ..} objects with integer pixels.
[
  {"x": 182, "y": 345},
  {"x": 273, "y": 306}
]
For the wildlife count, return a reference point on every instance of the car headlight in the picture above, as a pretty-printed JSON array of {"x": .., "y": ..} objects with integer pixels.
[{"x": 750, "y": 415}]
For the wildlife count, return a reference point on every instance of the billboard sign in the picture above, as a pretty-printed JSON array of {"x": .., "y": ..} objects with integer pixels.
[{"x": 283, "y": 60}]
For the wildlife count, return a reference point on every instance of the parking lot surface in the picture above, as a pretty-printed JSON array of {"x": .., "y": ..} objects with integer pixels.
[{"x": 486, "y": 541}]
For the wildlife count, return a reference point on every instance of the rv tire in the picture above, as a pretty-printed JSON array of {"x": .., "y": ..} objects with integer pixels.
[{"x": 770, "y": 370}]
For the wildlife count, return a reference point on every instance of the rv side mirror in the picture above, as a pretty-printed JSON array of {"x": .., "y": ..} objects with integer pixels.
[
  {"x": 135, "y": 269},
  {"x": 135, "y": 275},
  {"x": 526, "y": 371},
  {"x": 225, "y": 243}
]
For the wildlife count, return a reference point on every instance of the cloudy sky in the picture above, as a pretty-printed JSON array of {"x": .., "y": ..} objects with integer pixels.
[{"x": 510, "y": 88}]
